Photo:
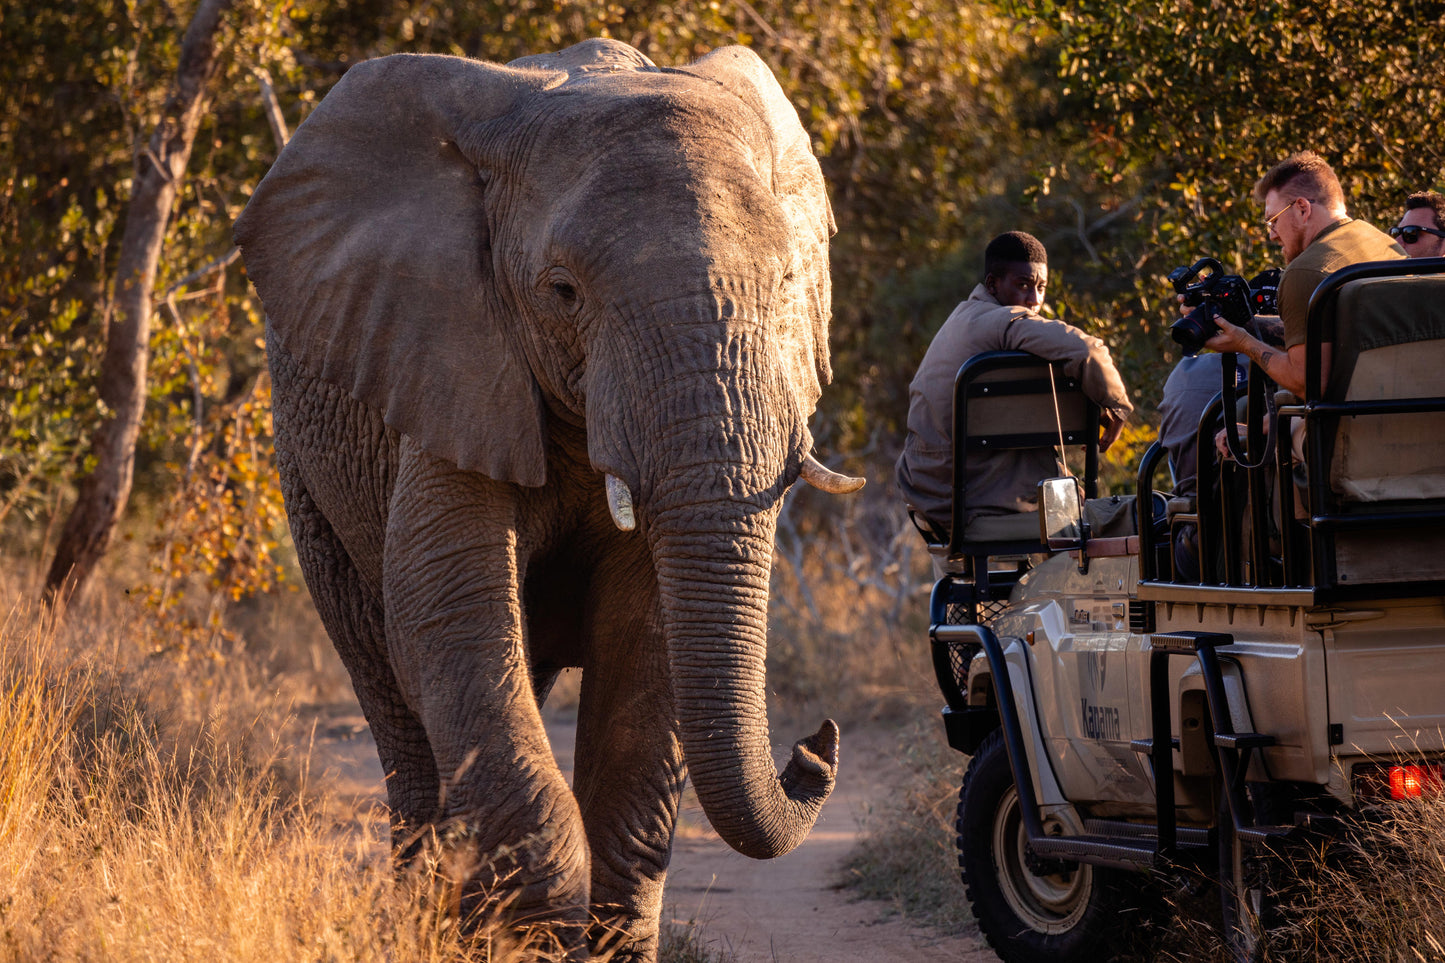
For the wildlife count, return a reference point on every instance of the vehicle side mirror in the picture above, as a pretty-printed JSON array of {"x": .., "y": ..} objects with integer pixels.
[{"x": 1061, "y": 514}]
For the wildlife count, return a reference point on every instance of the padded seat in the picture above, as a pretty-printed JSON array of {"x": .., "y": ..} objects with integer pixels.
[{"x": 1381, "y": 512}]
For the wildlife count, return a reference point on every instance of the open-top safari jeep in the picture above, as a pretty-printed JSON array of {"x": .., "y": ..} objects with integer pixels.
[{"x": 1300, "y": 680}]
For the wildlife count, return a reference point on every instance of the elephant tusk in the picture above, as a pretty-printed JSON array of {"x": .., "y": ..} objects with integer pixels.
[
  {"x": 827, "y": 480},
  {"x": 619, "y": 503}
]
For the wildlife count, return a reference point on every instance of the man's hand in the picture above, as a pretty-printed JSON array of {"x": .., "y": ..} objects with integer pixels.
[
  {"x": 1286, "y": 368},
  {"x": 1230, "y": 337},
  {"x": 1221, "y": 440},
  {"x": 1221, "y": 443},
  {"x": 1111, "y": 425}
]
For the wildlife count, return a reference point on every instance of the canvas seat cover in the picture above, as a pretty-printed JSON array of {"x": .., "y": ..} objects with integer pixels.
[{"x": 1389, "y": 345}]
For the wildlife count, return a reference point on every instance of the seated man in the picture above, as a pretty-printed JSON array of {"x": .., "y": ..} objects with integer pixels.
[
  {"x": 1317, "y": 237},
  {"x": 1000, "y": 315},
  {"x": 1421, "y": 231}
]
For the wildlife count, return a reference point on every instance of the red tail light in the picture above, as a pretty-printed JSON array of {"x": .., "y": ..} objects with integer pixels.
[
  {"x": 1412, "y": 782},
  {"x": 1379, "y": 782}
]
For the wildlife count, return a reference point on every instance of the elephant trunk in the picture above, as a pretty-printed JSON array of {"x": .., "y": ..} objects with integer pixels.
[
  {"x": 714, "y": 588},
  {"x": 708, "y": 444}
]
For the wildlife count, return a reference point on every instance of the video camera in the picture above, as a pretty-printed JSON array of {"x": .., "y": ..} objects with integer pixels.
[{"x": 1212, "y": 295}]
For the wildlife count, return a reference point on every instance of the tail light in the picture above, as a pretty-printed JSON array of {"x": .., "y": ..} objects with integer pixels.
[{"x": 1386, "y": 782}]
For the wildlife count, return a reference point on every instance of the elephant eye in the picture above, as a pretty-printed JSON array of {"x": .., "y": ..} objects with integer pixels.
[{"x": 560, "y": 284}]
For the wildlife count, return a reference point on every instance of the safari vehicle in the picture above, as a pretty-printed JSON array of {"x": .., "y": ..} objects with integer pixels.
[{"x": 1123, "y": 721}]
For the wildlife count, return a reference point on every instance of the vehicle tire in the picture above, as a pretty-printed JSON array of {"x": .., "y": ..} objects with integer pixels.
[
  {"x": 1060, "y": 918},
  {"x": 1249, "y": 897}
]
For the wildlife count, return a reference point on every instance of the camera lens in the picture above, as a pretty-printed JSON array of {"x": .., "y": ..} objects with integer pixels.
[{"x": 1191, "y": 331}]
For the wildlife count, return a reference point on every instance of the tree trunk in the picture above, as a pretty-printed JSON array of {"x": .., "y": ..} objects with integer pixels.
[{"x": 160, "y": 169}]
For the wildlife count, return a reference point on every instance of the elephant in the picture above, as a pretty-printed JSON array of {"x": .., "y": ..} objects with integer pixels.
[{"x": 544, "y": 340}]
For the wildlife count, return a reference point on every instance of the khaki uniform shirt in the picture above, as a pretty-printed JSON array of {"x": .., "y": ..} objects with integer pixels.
[
  {"x": 1006, "y": 481},
  {"x": 1339, "y": 245}
]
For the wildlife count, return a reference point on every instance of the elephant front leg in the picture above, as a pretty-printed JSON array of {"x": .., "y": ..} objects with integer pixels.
[
  {"x": 509, "y": 828},
  {"x": 629, "y": 772}
]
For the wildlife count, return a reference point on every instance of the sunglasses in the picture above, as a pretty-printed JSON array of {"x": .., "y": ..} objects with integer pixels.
[{"x": 1411, "y": 234}]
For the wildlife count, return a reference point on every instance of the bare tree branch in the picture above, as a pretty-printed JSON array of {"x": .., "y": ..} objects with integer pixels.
[
  {"x": 273, "y": 108},
  {"x": 160, "y": 167}
]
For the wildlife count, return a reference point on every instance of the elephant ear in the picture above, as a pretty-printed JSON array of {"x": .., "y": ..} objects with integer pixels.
[
  {"x": 798, "y": 187},
  {"x": 368, "y": 243}
]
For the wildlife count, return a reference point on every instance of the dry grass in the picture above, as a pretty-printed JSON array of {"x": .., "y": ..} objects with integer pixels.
[
  {"x": 907, "y": 855},
  {"x": 1378, "y": 893},
  {"x": 849, "y": 614},
  {"x": 151, "y": 809}
]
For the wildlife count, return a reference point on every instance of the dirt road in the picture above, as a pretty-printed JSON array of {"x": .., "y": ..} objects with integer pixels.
[
  {"x": 791, "y": 909},
  {"x": 787, "y": 910}
]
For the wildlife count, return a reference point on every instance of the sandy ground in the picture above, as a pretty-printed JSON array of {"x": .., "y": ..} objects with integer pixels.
[
  {"x": 788, "y": 910},
  {"x": 791, "y": 909}
]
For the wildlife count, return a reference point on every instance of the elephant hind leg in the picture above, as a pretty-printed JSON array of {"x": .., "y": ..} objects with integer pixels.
[
  {"x": 352, "y": 615},
  {"x": 629, "y": 773}
]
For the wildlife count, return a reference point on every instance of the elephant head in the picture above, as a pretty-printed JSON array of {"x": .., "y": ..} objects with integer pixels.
[{"x": 477, "y": 250}]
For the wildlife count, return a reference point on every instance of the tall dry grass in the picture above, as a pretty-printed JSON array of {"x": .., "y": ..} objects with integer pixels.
[
  {"x": 849, "y": 613},
  {"x": 1377, "y": 892},
  {"x": 152, "y": 807}
]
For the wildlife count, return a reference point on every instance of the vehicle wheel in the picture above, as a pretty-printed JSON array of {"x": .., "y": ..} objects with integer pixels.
[
  {"x": 1248, "y": 894},
  {"x": 1060, "y": 918}
]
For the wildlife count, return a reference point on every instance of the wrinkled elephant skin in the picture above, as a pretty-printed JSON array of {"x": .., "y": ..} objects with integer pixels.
[{"x": 487, "y": 289}]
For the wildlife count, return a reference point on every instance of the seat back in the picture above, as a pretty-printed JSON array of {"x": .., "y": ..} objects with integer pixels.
[
  {"x": 1389, "y": 346},
  {"x": 1376, "y": 450},
  {"x": 1013, "y": 401}
]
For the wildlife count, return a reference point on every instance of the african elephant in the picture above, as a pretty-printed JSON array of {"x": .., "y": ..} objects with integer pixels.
[{"x": 544, "y": 341}]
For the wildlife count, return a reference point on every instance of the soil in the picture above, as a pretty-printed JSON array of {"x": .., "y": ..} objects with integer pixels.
[{"x": 789, "y": 910}]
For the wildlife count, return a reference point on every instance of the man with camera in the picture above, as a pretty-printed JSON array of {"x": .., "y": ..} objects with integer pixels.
[
  {"x": 1000, "y": 315},
  {"x": 1421, "y": 230},
  {"x": 1305, "y": 213}
]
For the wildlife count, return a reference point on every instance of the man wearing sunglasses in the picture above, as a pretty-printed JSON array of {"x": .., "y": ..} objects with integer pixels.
[
  {"x": 1422, "y": 230},
  {"x": 1305, "y": 214}
]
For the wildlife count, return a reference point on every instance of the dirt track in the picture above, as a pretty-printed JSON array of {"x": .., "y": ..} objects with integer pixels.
[
  {"x": 790, "y": 909},
  {"x": 786, "y": 910}
]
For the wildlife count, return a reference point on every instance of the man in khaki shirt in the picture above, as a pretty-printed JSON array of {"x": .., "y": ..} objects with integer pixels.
[
  {"x": 1000, "y": 315},
  {"x": 1305, "y": 213}
]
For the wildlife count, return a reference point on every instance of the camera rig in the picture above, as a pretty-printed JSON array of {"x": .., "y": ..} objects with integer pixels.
[
  {"x": 1213, "y": 294},
  {"x": 1205, "y": 287}
]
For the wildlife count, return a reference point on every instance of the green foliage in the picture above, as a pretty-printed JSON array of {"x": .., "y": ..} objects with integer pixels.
[
  {"x": 59, "y": 84},
  {"x": 1167, "y": 112},
  {"x": 1126, "y": 135},
  {"x": 81, "y": 89}
]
